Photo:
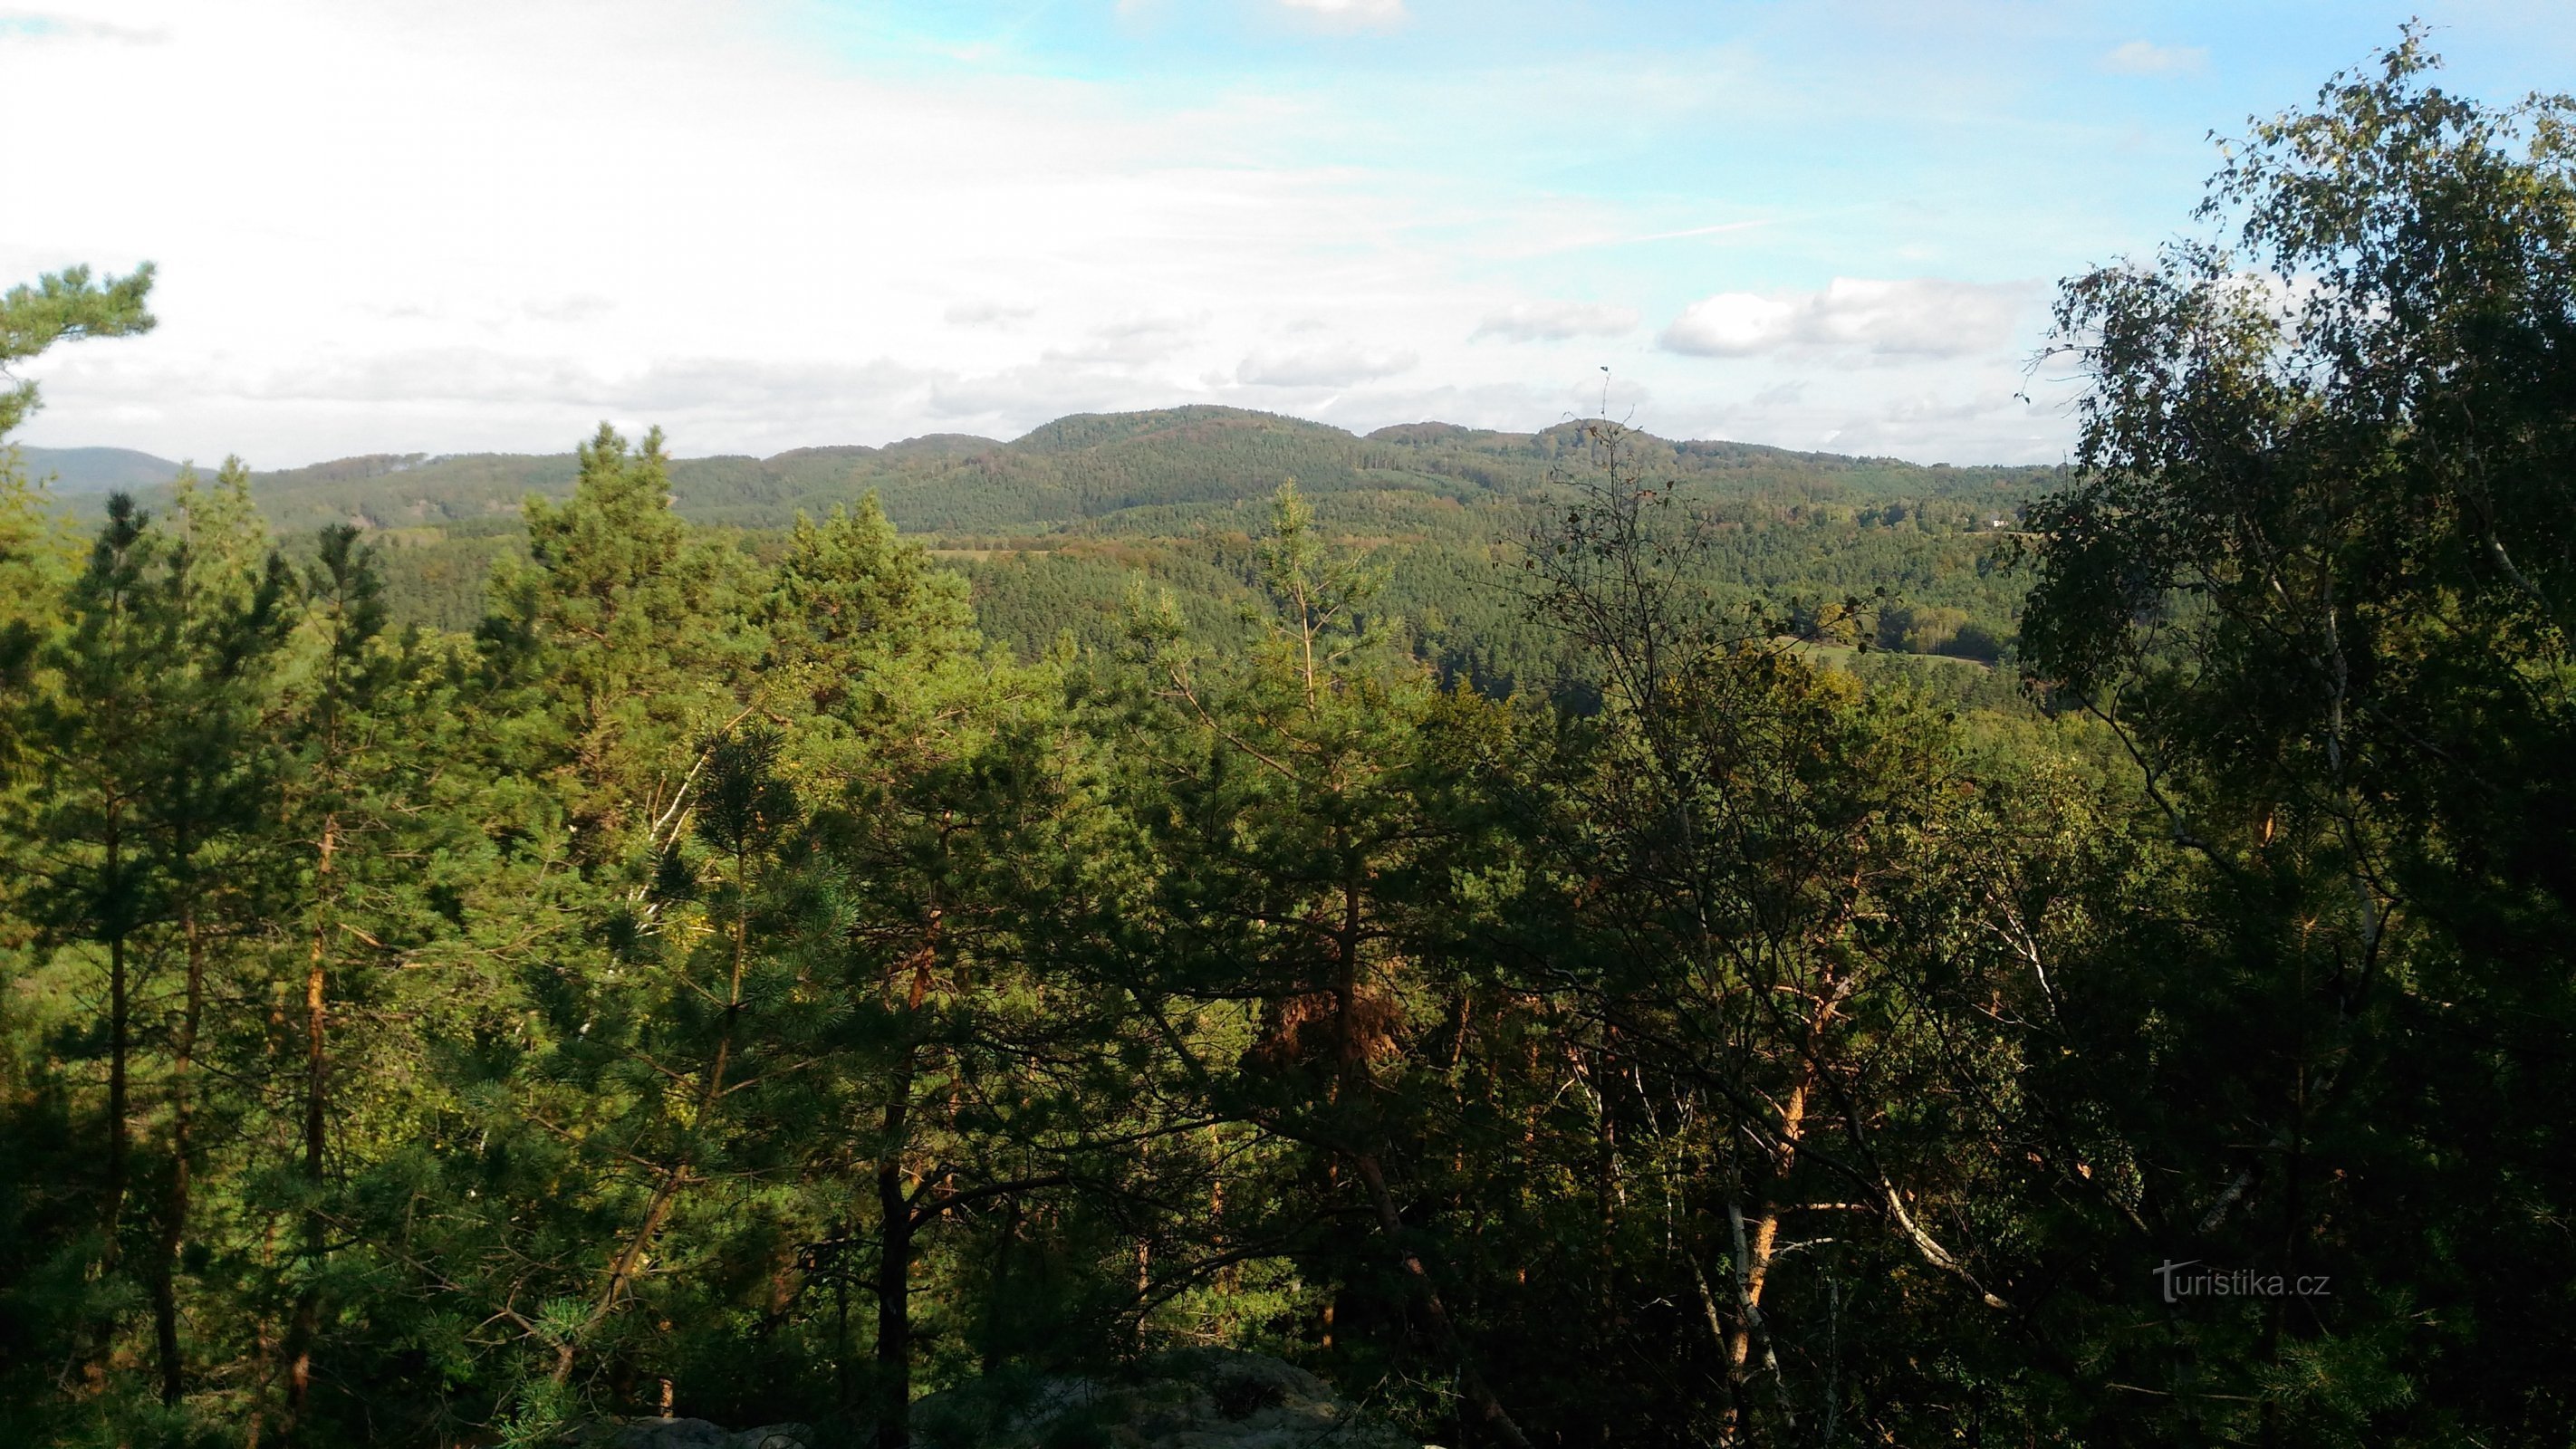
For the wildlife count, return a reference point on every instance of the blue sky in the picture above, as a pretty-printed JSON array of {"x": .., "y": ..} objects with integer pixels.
[
  {"x": 1874, "y": 138},
  {"x": 396, "y": 226}
]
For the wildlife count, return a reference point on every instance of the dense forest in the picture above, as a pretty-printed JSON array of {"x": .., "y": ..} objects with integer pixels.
[
  {"x": 1574, "y": 938},
  {"x": 1054, "y": 529}
]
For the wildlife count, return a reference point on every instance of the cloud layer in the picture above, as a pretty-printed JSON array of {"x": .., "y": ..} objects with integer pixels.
[
  {"x": 1556, "y": 321},
  {"x": 2142, "y": 57},
  {"x": 454, "y": 225},
  {"x": 1321, "y": 367},
  {"x": 1350, "y": 14},
  {"x": 1919, "y": 318},
  {"x": 40, "y": 26}
]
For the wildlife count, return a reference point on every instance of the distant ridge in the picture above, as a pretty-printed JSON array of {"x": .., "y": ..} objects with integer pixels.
[
  {"x": 1054, "y": 527},
  {"x": 97, "y": 470},
  {"x": 1164, "y": 471}
]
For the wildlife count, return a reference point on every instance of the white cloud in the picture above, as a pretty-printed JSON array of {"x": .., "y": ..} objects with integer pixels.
[
  {"x": 569, "y": 216},
  {"x": 1933, "y": 422},
  {"x": 2141, "y": 57},
  {"x": 33, "y": 25},
  {"x": 1556, "y": 321},
  {"x": 1925, "y": 317},
  {"x": 1129, "y": 341},
  {"x": 573, "y": 310},
  {"x": 1351, "y": 14},
  {"x": 1720, "y": 229},
  {"x": 447, "y": 374},
  {"x": 520, "y": 219},
  {"x": 1012, "y": 401},
  {"x": 1734, "y": 324},
  {"x": 1321, "y": 367},
  {"x": 987, "y": 314}
]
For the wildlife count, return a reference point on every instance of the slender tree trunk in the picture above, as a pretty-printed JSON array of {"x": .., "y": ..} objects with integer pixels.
[
  {"x": 308, "y": 1302},
  {"x": 316, "y": 1017},
  {"x": 174, "y": 1227},
  {"x": 1753, "y": 1266},
  {"x": 1001, "y": 1290},
  {"x": 894, "y": 1254},
  {"x": 894, "y": 1288},
  {"x": 255, "y": 1433},
  {"x": 120, "y": 1042},
  {"x": 841, "y": 1337},
  {"x": 120, "y": 1046},
  {"x": 1347, "y": 1062},
  {"x": 1605, "y": 1184},
  {"x": 629, "y": 1259},
  {"x": 1480, "y": 1394},
  {"x": 1351, "y": 1076},
  {"x": 623, "y": 1267},
  {"x": 1755, "y": 1250}
]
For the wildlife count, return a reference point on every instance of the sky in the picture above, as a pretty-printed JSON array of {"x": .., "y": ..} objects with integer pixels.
[{"x": 446, "y": 226}]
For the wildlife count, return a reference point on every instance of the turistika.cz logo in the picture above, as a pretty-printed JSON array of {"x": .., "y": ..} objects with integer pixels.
[{"x": 2196, "y": 1279}]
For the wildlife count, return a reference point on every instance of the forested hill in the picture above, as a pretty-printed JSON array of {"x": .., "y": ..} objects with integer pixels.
[
  {"x": 96, "y": 470},
  {"x": 1055, "y": 528},
  {"x": 1115, "y": 473}
]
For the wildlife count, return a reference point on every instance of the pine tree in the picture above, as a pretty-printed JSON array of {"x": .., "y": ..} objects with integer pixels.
[
  {"x": 335, "y": 805},
  {"x": 227, "y": 603}
]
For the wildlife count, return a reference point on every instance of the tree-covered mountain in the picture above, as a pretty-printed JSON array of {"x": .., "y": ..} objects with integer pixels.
[
  {"x": 1055, "y": 528},
  {"x": 1114, "y": 474},
  {"x": 97, "y": 470}
]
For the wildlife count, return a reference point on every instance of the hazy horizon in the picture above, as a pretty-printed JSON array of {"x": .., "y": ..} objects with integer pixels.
[
  {"x": 479, "y": 227},
  {"x": 37, "y": 452}
]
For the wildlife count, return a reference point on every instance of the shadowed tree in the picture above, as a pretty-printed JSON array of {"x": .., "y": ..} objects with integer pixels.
[{"x": 2315, "y": 572}]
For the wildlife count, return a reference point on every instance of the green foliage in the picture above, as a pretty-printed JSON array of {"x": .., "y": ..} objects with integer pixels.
[
  {"x": 2309, "y": 574},
  {"x": 1577, "y": 938},
  {"x": 63, "y": 306},
  {"x": 1051, "y": 528}
]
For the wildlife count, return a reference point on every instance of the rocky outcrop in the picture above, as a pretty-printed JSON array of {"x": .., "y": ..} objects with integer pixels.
[
  {"x": 1187, "y": 1399},
  {"x": 699, "y": 1434}
]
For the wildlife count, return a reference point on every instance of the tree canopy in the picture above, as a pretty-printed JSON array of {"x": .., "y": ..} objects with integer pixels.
[{"x": 1583, "y": 971}]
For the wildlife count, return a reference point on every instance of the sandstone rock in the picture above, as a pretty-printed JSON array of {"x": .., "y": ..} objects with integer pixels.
[
  {"x": 1188, "y": 1399},
  {"x": 699, "y": 1434}
]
